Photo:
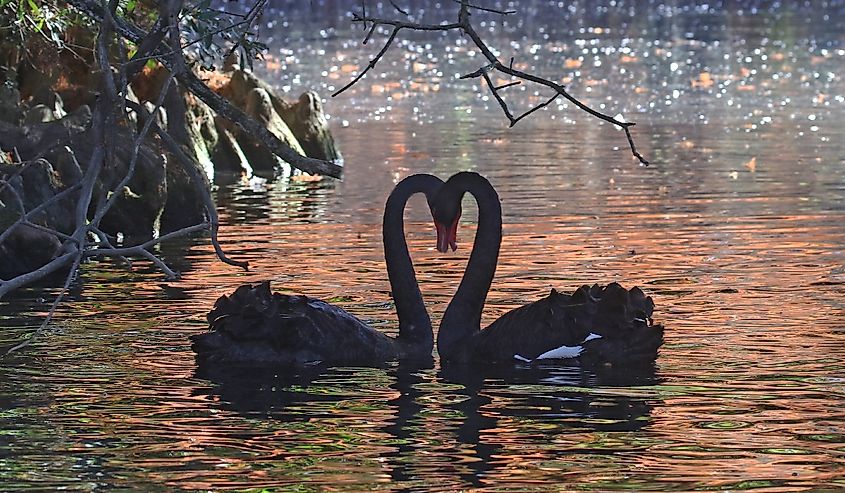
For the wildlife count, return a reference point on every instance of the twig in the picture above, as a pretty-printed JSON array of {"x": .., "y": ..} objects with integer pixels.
[
  {"x": 143, "y": 249},
  {"x": 535, "y": 108},
  {"x": 104, "y": 241},
  {"x": 146, "y": 45},
  {"x": 45, "y": 229},
  {"x": 131, "y": 250},
  {"x": 250, "y": 18},
  {"x": 373, "y": 62},
  {"x": 171, "y": 275},
  {"x": 20, "y": 168},
  {"x": 397, "y": 26},
  {"x": 23, "y": 221},
  {"x": 95, "y": 163},
  {"x": 217, "y": 31},
  {"x": 509, "y": 84},
  {"x": 191, "y": 167},
  {"x": 486, "y": 9},
  {"x": 398, "y": 9}
]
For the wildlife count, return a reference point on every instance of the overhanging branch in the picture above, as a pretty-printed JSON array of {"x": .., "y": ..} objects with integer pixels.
[{"x": 494, "y": 64}]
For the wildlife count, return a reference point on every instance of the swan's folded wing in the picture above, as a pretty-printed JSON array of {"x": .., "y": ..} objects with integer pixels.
[
  {"x": 254, "y": 326},
  {"x": 560, "y": 326},
  {"x": 531, "y": 330}
]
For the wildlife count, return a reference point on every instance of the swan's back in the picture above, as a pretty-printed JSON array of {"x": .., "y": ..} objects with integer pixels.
[
  {"x": 620, "y": 318},
  {"x": 255, "y": 327}
]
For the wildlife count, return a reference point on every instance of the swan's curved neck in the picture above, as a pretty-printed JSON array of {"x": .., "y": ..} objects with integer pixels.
[
  {"x": 463, "y": 315},
  {"x": 414, "y": 323}
]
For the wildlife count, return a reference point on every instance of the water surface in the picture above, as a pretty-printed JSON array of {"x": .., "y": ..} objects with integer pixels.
[{"x": 736, "y": 230}]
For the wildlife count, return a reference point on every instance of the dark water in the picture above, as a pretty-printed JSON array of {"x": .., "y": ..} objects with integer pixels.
[{"x": 736, "y": 230}]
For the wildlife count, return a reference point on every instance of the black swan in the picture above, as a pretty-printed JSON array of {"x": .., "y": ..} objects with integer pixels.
[
  {"x": 594, "y": 326},
  {"x": 254, "y": 327}
]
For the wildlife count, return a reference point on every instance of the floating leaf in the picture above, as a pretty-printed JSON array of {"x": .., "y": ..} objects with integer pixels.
[
  {"x": 703, "y": 81},
  {"x": 752, "y": 164}
]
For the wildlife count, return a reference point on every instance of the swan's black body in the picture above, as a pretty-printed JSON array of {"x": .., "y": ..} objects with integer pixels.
[
  {"x": 257, "y": 327},
  {"x": 619, "y": 316},
  {"x": 607, "y": 326},
  {"x": 254, "y": 327}
]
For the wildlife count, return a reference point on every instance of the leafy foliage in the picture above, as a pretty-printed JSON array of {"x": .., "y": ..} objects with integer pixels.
[
  {"x": 20, "y": 19},
  {"x": 208, "y": 33},
  {"x": 214, "y": 34}
]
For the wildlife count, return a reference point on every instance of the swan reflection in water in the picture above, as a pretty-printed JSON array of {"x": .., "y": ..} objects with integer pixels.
[
  {"x": 471, "y": 414},
  {"x": 505, "y": 406}
]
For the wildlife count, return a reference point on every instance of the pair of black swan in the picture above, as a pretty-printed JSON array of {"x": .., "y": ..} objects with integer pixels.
[{"x": 595, "y": 326}]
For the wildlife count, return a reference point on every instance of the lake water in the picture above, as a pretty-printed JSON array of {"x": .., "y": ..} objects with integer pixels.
[{"x": 737, "y": 229}]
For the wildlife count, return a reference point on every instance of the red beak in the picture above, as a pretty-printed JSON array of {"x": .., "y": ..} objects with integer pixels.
[{"x": 447, "y": 236}]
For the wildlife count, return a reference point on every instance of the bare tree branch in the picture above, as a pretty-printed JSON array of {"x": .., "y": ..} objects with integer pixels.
[
  {"x": 43, "y": 271},
  {"x": 398, "y": 8},
  {"x": 373, "y": 62},
  {"x": 216, "y": 102},
  {"x": 23, "y": 221},
  {"x": 193, "y": 171},
  {"x": 104, "y": 241},
  {"x": 247, "y": 21},
  {"x": 77, "y": 245},
  {"x": 464, "y": 25},
  {"x": 145, "y": 46},
  {"x": 107, "y": 109},
  {"x": 111, "y": 251},
  {"x": 133, "y": 160},
  {"x": 142, "y": 250},
  {"x": 486, "y": 9},
  {"x": 7, "y": 182},
  {"x": 31, "y": 337}
]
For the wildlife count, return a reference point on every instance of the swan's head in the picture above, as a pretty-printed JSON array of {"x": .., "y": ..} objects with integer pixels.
[
  {"x": 446, "y": 211},
  {"x": 446, "y": 206}
]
